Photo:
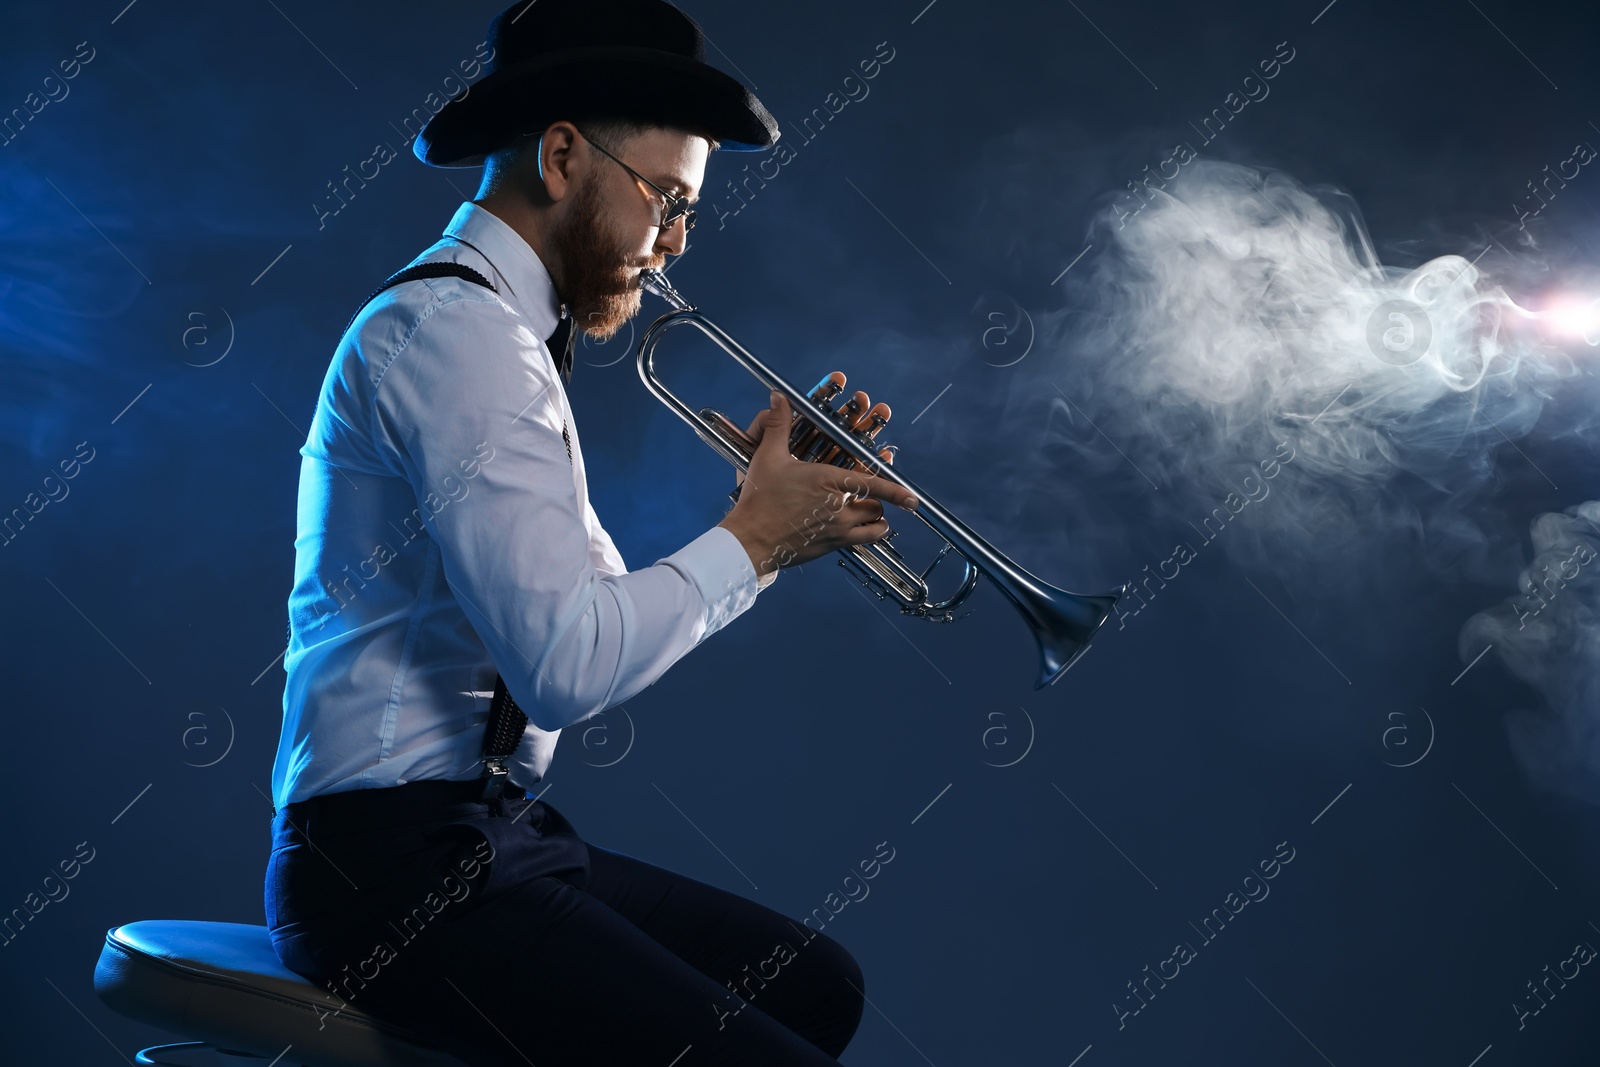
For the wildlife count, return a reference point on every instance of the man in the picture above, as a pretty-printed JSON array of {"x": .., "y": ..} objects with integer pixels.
[{"x": 452, "y": 581}]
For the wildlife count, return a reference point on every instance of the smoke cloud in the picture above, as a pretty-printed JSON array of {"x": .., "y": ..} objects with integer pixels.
[
  {"x": 1549, "y": 636},
  {"x": 1240, "y": 309}
]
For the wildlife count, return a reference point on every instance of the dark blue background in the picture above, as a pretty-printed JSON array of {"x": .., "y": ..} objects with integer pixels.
[{"x": 144, "y": 611}]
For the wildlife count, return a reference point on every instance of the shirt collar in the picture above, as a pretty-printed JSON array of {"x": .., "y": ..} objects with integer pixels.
[{"x": 527, "y": 280}]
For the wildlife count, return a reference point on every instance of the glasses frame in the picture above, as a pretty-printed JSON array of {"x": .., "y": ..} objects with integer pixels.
[{"x": 673, "y": 207}]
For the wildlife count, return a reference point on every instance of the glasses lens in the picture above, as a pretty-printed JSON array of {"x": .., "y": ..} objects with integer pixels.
[{"x": 676, "y": 208}]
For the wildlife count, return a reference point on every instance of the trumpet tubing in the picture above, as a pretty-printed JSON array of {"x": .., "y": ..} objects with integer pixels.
[{"x": 1062, "y": 622}]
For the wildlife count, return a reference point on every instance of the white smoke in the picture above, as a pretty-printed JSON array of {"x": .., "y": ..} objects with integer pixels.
[
  {"x": 1549, "y": 636},
  {"x": 1239, "y": 309}
]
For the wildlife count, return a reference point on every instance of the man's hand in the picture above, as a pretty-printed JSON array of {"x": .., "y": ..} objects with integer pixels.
[{"x": 790, "y": 511}]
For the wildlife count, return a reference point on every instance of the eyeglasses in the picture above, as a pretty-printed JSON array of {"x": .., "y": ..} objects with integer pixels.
[{"x": 675, "y": 207}]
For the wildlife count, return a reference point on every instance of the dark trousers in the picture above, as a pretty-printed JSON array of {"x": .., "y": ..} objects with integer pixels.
[{"x": 491, "y": 930}]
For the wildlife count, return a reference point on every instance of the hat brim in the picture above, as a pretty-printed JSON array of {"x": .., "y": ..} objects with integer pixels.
[{"x": 634, "y": 83}]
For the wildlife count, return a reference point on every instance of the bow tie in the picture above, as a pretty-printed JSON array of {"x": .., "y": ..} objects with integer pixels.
[{"x": 561, "y": 343}]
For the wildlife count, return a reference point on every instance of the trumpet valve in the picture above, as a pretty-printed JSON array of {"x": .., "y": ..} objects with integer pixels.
[
  {"x": 807, "y": 440},
  {"x": 851, "y": 410},
  {"x": 863, "y": 429},
  {"x": 874, "y": 420},
  {"x": 824, "y": 391},
  {"x": 804, "y": 435},
  {"x": 849, "y": 416}
]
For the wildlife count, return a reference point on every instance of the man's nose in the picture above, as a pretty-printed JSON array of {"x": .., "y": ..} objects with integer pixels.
[{"x": 670, "y": 240}]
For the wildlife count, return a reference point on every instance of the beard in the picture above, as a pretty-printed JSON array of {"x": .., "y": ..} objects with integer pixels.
[{"x": 597, "y": 274}]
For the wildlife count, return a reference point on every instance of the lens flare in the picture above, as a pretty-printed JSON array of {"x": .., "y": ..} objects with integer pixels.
[{"x": 1572, "y": 316}]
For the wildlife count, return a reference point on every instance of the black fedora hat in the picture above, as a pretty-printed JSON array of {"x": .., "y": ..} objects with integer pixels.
[{"x": 572, "y": 59}]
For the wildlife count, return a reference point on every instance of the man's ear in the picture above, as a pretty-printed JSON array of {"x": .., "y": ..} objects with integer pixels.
[{"x": 554, "y": 158}]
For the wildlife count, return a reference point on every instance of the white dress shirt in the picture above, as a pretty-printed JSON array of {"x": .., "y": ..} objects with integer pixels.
[{"x": 443, "y": 535}]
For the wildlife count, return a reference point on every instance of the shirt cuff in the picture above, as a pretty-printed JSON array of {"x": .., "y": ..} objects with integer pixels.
[{"x": 721, "y": 569}]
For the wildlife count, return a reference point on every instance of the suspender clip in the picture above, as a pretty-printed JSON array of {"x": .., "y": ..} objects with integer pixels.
[{"x": 495, "y": 778}]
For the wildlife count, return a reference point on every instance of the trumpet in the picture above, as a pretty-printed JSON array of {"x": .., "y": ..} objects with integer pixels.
[{"x": 1062, "y": 622}]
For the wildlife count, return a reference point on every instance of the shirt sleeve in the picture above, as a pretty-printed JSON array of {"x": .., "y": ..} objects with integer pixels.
[
  {"x": 602, "y": 551},
  {"x": 466, "y": 405},
  {"x": 607, "y": 560}
]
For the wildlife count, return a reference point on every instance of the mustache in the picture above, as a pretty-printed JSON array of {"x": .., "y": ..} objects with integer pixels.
[{"x": 625, "y": 266}]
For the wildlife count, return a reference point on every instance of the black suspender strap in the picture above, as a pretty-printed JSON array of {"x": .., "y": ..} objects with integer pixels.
[
  {"x": 506, "y": 721},
  {"x": 506, "y": 725},
  {"x": 424, "y": 270}
]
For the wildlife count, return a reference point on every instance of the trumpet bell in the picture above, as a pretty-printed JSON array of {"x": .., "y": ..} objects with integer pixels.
[{"x": 1063, "y": 624}]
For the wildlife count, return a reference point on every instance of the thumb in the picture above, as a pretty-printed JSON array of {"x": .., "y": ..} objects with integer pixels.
[{"x": 775, "y": 424}]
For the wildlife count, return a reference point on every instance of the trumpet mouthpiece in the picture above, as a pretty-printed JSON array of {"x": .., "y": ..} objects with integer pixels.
[{"x": 656, "y": 282}]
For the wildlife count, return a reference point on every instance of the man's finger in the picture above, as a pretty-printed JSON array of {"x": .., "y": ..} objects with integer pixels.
[
  {"x": 867, "y": 532},
  {"x": 860, "y": 485},
  {"x": 868, "y": 510}
]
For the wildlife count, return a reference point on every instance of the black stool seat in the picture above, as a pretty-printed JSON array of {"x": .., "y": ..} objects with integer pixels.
[{"x": 220, "y": 984}]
